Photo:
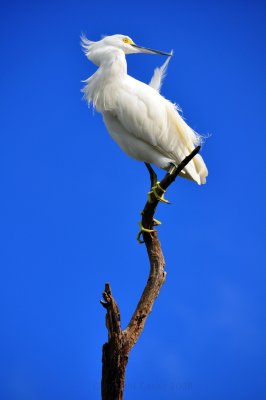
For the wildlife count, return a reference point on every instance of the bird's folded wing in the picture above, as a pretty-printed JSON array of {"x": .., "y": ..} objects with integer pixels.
[{"x": 148, "y": 116}]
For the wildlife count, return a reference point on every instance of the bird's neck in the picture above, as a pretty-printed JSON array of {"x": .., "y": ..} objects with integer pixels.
[
  {"x": 111, "y": 72},
  {"x": 114, "y": 64}
]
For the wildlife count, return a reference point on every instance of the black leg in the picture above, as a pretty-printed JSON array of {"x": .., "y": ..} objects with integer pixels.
[{"x": 153, "y": 175}]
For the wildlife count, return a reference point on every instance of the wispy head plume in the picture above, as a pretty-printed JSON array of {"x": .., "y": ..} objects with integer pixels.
[{"x": 86, "y": 44}]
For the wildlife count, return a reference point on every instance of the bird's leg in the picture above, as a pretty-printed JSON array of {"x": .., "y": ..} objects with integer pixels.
[
  {"x": 155, "y": 184},
  {"x": 171, "y": 171},
  {"x": 154, "y": 193},
  {"x": 156, "y": 222},
  {"x": 153, "y": 175}
]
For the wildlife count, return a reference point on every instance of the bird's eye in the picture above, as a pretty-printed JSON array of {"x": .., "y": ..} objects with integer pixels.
[{"x": 127, "y": 40}]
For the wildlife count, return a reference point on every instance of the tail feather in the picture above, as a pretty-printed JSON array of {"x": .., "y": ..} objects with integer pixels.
[
  {"x": 195, "y": 170},
  {"x": 201, "y": 168}
]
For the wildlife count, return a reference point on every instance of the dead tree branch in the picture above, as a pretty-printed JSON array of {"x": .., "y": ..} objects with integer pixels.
[{"x": 120, "y": 342}]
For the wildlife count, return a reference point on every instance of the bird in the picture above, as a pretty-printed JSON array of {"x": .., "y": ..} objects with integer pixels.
[{"x": 146, "y": 125}]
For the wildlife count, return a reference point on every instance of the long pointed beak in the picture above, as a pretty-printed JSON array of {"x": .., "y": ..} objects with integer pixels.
[{"x": 150, "y": 51}]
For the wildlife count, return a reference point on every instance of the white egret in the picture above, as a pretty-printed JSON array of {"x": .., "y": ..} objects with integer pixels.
[{"x": 145, "y": 125}]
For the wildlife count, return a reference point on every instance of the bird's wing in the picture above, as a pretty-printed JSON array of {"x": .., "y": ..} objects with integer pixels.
[
  {"x": 159, "y": 74},
  {"x": 147, "y": 116}
]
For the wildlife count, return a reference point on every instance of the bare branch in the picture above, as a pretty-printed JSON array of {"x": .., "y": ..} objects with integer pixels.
[
  {"x": 114, "y": 355},
  {"x": 113, "y": 314},
  {"x": 116, "y": 350},
  {"x": 155, "y": 281},
  {"x": 157, "y": 274}
]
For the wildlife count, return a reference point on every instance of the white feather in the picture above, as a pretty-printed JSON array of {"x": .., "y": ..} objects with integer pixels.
[{"x": 159, "y": 74}]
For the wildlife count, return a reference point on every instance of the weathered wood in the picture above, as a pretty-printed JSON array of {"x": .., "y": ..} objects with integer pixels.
[
  {"x": 114, "y": 354},
  {"x": 116, "y": 351}
]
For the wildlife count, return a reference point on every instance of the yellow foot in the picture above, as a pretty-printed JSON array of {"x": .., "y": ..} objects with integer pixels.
[
  {"x": 156, "y": 195},
  {"x": 142, "y": 230},
  {"x": 156, "y": 222}
]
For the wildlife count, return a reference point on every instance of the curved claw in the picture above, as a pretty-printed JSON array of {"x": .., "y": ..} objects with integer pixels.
[
  {"x": 156, "y": 195},
  {"x": 156, "y": 222}
]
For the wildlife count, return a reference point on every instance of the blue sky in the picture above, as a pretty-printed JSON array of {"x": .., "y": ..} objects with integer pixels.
[{"x": 70, "y": 203}]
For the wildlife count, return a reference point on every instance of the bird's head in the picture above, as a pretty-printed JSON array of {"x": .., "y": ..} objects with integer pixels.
[{"x": 97, "y": 52}]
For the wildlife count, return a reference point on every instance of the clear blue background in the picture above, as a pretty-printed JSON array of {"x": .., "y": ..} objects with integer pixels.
[{"x": 70, "y": 203}]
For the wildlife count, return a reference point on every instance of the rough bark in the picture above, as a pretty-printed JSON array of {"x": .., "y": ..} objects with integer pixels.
[{"x": 116, "y": 351}]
